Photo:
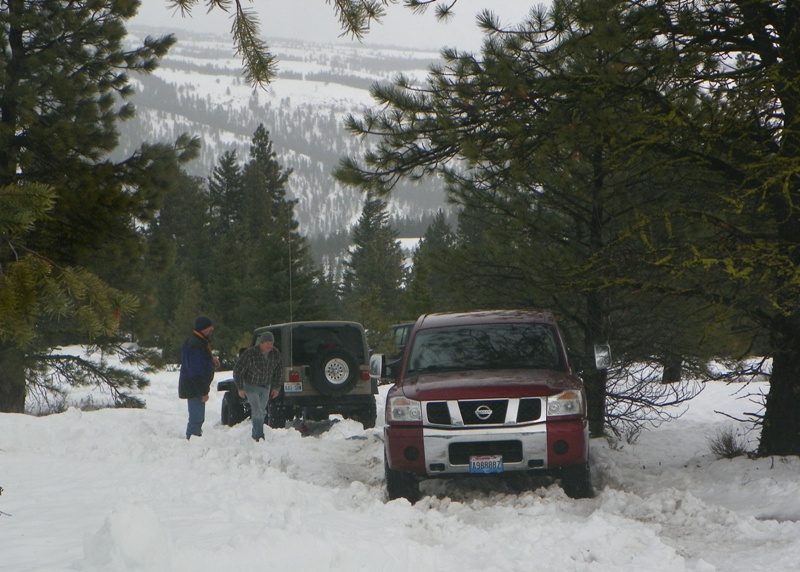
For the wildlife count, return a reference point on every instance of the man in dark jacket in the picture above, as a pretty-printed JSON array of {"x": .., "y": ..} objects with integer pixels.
[
  {"x": 257, "y": 375},
  {"x": 197, "y": 372}
]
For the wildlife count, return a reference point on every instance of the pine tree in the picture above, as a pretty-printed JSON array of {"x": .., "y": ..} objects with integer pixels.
[
  {"x": 179, "y": 242},
  {"x": 541, "y": 143},
  {"x": 260, "y": 269},
  {"x": 225, "y": 191},
  {"x": 430, "y": 287},
  {"x": 374, "y": 275},
  {"x": 63, "y": 73},
  {"x": 744, "y": 137}
]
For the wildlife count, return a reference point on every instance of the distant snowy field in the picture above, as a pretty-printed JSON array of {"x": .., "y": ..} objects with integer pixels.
[
  {"x": 121, "y": 490},
  {"x": 318, "y": 85}
]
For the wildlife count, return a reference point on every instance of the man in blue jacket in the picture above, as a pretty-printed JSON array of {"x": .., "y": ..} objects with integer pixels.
[{"x": 197, "y": 373}]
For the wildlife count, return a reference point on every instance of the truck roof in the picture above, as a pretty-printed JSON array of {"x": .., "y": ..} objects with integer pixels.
[{"x": 440, "y": 320}]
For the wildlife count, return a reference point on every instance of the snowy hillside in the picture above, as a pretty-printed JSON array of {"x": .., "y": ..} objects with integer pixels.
[
  {"x": 199, "y": 89},
  {"x": 117, "y": 490}
]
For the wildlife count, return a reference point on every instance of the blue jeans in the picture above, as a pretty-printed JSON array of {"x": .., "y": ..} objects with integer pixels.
[
  {"x": 197, "y": 414},
  {"x": 257, "y": 397}
]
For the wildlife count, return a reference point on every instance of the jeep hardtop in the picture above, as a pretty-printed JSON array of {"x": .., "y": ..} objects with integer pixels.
[{"x": 326, "y": 371}]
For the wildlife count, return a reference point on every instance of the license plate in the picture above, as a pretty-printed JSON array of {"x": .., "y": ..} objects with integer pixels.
[
  {"x": 486, "y": 464},
  {"x": 293, "y": 387}
]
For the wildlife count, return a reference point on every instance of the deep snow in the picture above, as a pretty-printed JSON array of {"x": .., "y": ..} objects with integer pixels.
[{"x": 123, "y": 490}]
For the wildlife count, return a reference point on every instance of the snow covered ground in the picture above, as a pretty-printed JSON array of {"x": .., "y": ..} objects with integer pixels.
[{"x": 123, "y": 490}]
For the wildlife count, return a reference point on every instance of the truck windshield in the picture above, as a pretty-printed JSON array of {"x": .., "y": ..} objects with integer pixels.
[{"x": 493, "y": 346}]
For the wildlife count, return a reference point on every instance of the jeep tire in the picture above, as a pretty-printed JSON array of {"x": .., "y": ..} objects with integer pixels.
[
  {"x": 368, "y": 415},
  {"x": 334, "y": 372},
  {"x": 232, "y": 410},
  {"x": 277, "y": 416}
]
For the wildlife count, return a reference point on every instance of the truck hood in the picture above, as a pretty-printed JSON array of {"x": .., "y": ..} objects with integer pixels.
[{"x": 488, "y": 384}]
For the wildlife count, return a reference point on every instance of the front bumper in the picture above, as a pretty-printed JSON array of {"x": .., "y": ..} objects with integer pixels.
[{"x": 435, "y": 452}]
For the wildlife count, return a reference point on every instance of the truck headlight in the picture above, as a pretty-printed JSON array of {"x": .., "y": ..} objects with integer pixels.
[
  {"x": 402, "y": 409},
  {"x": 565, "y": 403}
]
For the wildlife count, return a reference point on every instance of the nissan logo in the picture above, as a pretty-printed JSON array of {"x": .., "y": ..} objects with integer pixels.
[{"x": 483, "y": 412}]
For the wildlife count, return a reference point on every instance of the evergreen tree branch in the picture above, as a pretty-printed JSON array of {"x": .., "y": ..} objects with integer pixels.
[
  {"x": 355, "y": 19},
  {"x": 56, "y": 372}
]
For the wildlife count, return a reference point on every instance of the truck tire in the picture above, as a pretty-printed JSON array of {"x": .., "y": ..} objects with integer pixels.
[
  {"x": 400, "y": 484},
  {"x": 334, "y": 372},
  {"x": 577, "y": 482}
]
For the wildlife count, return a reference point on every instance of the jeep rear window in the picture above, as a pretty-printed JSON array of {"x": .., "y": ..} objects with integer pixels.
[
  {"x": 490, "y": 346},
  {"x": 308, "y": 341}
]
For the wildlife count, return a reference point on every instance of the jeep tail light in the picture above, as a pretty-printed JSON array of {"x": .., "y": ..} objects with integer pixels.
[
  {"x": 401, "y": 409},
  {"x": 365, "y": 375},
  {"x": 565, "y": 403},
  {"x": 294, "y": 375}
]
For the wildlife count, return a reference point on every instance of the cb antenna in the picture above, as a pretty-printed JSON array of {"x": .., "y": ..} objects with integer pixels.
[
  {"x": 289, "y": 247},
  {"x": 291, "y": 303}
]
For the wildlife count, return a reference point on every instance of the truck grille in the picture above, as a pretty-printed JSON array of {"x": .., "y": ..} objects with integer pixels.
[
  {"x": 471, "y": 413},
  {"x": 438, "y": 413},
  {"x": 529, "y": 410}
]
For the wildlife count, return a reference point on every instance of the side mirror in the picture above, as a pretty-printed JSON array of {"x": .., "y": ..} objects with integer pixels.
[
  {"x": 382, "y": 372},
  {"x": 376, "y": 367},
  {"x": 602, "y": 356}
]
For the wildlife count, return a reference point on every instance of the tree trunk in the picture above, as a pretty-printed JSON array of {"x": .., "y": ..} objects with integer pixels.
[
  {"x": 673, "y": 368},
  {"x": 595, "y": 381},
  {"x": 597, "y": 312},
  {"x": 12, "y": 379},
  {"x": 595, "y": 384},
  {"x": 780, "y": 433}
]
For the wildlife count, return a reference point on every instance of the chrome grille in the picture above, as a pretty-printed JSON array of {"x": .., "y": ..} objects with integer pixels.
[{"x": 472, "y": 413}]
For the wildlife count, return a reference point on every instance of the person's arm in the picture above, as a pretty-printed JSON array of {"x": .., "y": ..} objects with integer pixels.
[{"x": 240, "y": 372}]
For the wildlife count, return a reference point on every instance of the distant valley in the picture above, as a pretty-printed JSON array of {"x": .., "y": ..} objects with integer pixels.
[{"x": 199, "y": 89}]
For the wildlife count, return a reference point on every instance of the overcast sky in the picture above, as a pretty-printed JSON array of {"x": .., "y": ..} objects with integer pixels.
[{"x": 315, "y": 21}]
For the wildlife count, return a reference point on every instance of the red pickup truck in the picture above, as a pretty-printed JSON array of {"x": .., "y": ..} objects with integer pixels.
[{"x": 481, "y": 393}]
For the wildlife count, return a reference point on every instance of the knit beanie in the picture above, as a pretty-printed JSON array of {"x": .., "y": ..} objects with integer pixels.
[
  {"x": 201, "y": 323},
  {"x": 265, "y": 337}
]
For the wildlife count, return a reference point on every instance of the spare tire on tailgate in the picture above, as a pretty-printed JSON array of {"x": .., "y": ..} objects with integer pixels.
[{"x": 334, "y": 372}]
